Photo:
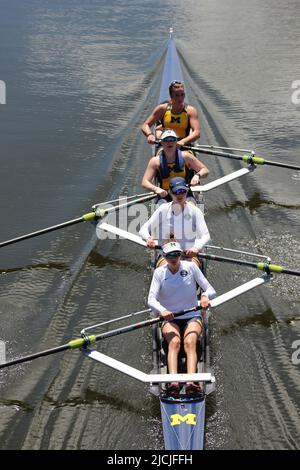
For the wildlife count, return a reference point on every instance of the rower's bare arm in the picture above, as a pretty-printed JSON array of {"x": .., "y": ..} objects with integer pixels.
[
  {"x": 195, "y": 127},
  {"x": 196, "y": 165},
  {"x": 154, "y": 117},
  {"x": 149, "y": 175}
]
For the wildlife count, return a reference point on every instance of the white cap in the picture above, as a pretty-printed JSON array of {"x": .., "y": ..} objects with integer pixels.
[
  {"x": 168, "y": 133},
  {"x": 171, "y": 247}
]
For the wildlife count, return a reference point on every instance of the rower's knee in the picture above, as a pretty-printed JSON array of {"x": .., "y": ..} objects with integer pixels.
[
  {"x": 175, "y": 343},
  {"x": 190, "y": 342}
]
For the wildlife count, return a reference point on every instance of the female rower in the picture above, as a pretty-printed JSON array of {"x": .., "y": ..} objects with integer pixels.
[
  {"x": 174, "y": 114},
  {"x": 174, "y": 287},
  {"x": 178, "y": 219},
  {"x": 171, "y": 162}
]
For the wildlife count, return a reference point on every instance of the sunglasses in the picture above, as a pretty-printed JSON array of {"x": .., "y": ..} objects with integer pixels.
[
  {"x": 169, "y": 139},
  {"x": 180, "y": 191},
  {"x": 173, "y": 254}
]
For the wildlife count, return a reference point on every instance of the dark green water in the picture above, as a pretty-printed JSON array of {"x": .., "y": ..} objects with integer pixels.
[{"x": 81, "y": 76}]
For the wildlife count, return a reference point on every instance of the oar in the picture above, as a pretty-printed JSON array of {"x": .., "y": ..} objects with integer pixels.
[
  {"x": 84, "y": 218},
  {"x": 223, "y": 148},
  {"x": 267, "y": 267},
  {"x": 103, "y": 212},
  {"x": 87, "y": 340},
  {"x": 250, "y": 159},
  {"x": 121, "y": 198},
  {"x": 114, "y": 320},
  {"x": 263, "y": 266},
  {"x": 98, "y": 213}
]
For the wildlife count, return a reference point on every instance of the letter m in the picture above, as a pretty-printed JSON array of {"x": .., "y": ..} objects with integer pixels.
[
  {"x": 174, "y": 119},
  {"x": 190, "y": 418}
]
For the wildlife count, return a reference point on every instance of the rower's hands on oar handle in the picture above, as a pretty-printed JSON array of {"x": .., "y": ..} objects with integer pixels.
[
  {"x": 195, "y": 180},
  {"x": 204, "y": 302},
  {"x": 151, "y": 138},
  {"x": 191, "y": 252},
  {"x": 160, "y": 192},
  {"x": 167, "y": 315},
  {"x": 151, "y": 243}
]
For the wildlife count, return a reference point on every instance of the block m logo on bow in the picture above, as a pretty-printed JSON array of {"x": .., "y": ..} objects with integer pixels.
[{"x": 176, "y": 419}]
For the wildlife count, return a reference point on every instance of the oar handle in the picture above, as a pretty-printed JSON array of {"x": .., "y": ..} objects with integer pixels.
[{"x": 187, "y": 310}]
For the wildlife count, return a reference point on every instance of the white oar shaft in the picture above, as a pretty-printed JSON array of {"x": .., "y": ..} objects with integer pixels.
[
  {"x": 103, "y": 226},
  {"x": 231, "y": 250},
  {"x": 224, "y": 148},
  {"x": 114, "y": 320},
  {"x": 141, "y": 376},
  {"x": 130, "y": 203},
  {"x": 120, "y": 198},
  {"x": 232, "y": 294},
  {"x": 220, "y": 181}
]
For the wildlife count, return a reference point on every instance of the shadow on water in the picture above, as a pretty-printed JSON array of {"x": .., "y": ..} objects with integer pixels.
[
  {"x": 265, "y": 319},
  {"x": 90, "y": 397},
  {"x": 100, "y": 261},
  {"x": 255, "y": 202},
  {"x": 57, "y": 266},
  {"x": 16, "y": 404}
]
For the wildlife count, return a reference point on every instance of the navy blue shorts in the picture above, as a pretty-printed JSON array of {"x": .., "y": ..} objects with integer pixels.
[{"x": 183, "y": 323}]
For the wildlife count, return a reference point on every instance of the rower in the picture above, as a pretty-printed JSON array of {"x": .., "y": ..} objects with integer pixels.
[
  {"x": 174, "y": 114},
  {"x": 173, "y": 287},
  {"x": 171, "y": 162},
  {"x": 177, "y": 219}
]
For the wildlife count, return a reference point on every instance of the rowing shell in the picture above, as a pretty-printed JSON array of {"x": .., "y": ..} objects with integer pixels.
[{"x": 183, "y": 417}]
